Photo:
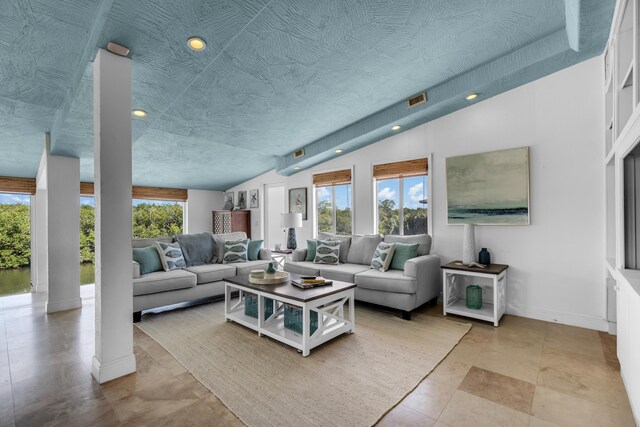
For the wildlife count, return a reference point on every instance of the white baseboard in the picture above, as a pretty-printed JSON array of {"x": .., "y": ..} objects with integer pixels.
[
  {"x": 113, "y": 369},
  {"x": 67, "y": 304},
  {"x": 572, "y": 319}
]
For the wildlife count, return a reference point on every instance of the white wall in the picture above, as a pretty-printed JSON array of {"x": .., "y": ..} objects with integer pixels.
[
  {"x": 200, "y": 203},
  {"x": 556, "y": 264}
]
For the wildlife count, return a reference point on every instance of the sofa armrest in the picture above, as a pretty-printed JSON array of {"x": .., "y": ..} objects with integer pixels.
[
  {"x": 426, "y": 270},
  {"x": 298, "y": 255},
  {"x": 136, "y": 270},
  {"x": 265, "y": 254}
]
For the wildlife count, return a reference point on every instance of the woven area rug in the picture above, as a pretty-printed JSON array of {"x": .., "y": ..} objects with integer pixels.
[{"x": 352, "y": 380}]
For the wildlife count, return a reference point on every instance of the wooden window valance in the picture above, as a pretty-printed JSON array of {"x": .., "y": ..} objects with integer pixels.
[
  {"x": 417, "y": 167},
  {"x": 326, "y": 179},
  {"x": 17, "y": 185},
  {"x": 144, "y": 193}
]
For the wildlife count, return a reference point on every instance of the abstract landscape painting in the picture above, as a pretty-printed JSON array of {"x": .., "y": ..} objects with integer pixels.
[{"x": 489, "y": 188}]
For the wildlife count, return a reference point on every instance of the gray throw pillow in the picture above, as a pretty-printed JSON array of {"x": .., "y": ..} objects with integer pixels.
[{"x": 327, "y": 252}]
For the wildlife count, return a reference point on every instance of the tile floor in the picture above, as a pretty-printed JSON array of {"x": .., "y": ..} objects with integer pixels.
[{"x": 524, "y": 373}]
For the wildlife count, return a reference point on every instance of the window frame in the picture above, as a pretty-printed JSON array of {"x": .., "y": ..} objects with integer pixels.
[
  {"x": 333, "y": 200},
  {"x": 429, "y": 189}
]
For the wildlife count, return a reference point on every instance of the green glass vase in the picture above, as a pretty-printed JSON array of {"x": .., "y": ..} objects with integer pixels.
[{"x": 474, "y": 297}]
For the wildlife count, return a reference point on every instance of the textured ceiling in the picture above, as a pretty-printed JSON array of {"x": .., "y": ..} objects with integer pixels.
[{"x": 276, "y": 75}]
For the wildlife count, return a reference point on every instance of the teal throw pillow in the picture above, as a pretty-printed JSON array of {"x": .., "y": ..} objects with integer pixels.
[
  {"x": 253, "y": 252},
  {"x": 402, "y": 253},
  {"x": 235, "y": 251},
  {"x": 311, "y": 250},
  {"x": 148, "y": 259}
]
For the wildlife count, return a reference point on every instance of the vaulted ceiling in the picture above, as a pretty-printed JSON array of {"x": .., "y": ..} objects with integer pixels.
[{"x": 276, "y": 76}]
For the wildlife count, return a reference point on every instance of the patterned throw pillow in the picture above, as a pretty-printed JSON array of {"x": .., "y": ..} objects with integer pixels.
[
  {"x": 235, "y": 251},
  {"x": 382, "y": 256},
  {"x": 327, "y": 252},
  {"x": 171, "y": 256}
]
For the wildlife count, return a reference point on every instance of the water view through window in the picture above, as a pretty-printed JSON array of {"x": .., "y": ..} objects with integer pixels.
[{"x": 151, "y": 218}]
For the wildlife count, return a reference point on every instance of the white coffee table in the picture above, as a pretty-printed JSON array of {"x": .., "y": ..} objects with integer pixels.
[{"x": 327, "y": 301}]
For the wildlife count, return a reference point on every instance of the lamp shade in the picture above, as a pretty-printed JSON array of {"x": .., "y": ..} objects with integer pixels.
[{"x": 291, "y": 220}]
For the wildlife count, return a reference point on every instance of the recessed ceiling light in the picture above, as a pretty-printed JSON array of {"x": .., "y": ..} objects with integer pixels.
[
  {"x": 196, "y": 43},
  {"x": 471, "y": 96},
  {"x": 396, "y": 127},
  {"x": 297, "y": 168},
  {"x": 139, "y": 113},
  {"x": 339, "y": 150}
]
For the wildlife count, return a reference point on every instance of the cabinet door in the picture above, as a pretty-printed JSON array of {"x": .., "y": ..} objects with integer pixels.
[{"x": 240, "y": 222}]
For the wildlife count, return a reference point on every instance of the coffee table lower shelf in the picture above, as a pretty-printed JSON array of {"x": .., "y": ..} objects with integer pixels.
[{"x": 331, "y": 317}]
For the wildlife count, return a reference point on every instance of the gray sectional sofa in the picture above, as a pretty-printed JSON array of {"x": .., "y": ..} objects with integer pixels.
[
  {"x": 404, "y": 290},
  {"x": 163, "y": 288}
]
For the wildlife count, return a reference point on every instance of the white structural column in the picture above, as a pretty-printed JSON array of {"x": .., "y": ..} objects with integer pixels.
[
  {"x": 112, "y": 177},
  {"x": 57, "y": 231}
]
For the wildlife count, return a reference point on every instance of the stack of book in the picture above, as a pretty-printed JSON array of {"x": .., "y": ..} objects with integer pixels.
[{"x": 306, "y": 282}]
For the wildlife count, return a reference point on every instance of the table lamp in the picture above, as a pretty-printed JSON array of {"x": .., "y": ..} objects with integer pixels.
[{"x": 291, "y": 221}]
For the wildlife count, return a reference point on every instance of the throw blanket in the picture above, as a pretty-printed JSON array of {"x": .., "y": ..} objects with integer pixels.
[{"x": 198, "y": 249}]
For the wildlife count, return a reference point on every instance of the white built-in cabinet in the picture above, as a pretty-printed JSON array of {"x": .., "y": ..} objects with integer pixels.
[{"x": 621, "y": 137}]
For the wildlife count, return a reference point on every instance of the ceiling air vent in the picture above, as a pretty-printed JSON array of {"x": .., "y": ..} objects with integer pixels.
[
  {"x": 417, "y": 100},
  {"x": 298, "y": 153}
]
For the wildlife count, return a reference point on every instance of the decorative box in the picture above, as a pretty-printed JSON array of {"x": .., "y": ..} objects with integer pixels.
[
  {"x": 251, "y": 306},
  {"x": 293, "y": 319}
]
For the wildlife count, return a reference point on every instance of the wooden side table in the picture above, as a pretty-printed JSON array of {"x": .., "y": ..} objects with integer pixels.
[{"x": 494, "y": 289}]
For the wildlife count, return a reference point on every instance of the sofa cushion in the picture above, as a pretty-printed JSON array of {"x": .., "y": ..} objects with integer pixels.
[
  {"x": 147, "y": 241},
  {"x": 162, "y": 281},
  {"x": 221, "y": 238},
  {"x": 198, "y": 249},
  {"x": 402, "y": 253},
  {"x": 424, "y": 241},
  {"x": 212, "y": 272},
  {"x": 235, "y": 251},
  {"x": 342, "y": 272},
  {"x": 303, "y": 268},
  {"x": 148, "y": 259},
  {"x": 171, "y": 256},
  {"x": 362, "y": 248},
  {"x": 327, "y": 252},
  {"x": 244, "y": 268},
  {"x": 388, "y": 281},
  {"x": 345, "y": 243}
]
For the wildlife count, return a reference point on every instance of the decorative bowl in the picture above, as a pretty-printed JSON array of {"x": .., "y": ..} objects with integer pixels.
[{"x": 261, "y": 277}]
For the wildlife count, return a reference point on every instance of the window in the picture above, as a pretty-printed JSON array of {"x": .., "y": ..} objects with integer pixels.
[
  {"x": 156, "y": 212},
  {"x": 334, "y": 202},
  {"x": 155, "y": 218},
  {"x": 15, "y": 243},
  {"x": 402, "y": 197}
]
